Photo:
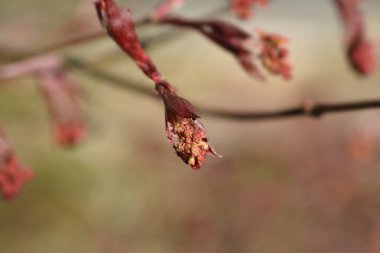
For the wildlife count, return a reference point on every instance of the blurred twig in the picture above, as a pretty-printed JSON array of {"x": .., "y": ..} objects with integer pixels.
[
  {"x": 307, "y": 108},
  {"x": 117, "y": 81},
  {"x": 76, "y": 40},
  {"x": 87, "y": 37}
]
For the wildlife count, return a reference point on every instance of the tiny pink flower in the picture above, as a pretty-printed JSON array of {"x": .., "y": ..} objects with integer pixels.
[{"x": 273, "y": 54}]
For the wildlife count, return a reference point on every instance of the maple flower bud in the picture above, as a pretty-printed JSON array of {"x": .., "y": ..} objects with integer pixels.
[
  {"x": 359, "y": 50},
  {"x": 62, "y": 94},
  {"x": 13, "y": 176},
  {"x": 185, "y": 132},
  {"x": 274, "y": 55},
  {"x": 361, "y": 56}
]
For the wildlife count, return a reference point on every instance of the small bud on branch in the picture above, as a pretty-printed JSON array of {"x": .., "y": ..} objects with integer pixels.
[
  {"x": 60, "y": 91},
  {"x": 359, "y": 50},
  {"x": 62, "y": 99}
]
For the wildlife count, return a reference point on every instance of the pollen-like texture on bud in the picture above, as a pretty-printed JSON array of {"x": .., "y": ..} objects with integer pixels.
[
  {"x": 189, "y": 140},
  {"x": 185, "y": 132},
  {"x": 13, "y": 176}
]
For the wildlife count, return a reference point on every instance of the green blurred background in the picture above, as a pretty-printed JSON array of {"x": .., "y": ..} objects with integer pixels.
[{"x": 295, "y": 185}]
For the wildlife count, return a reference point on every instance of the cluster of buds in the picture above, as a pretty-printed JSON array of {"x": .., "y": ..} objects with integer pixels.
[
  {"x": 62, "y": 98},
  {"x": 274, "y": 55},
  {"x": 185, "y": 132},
  {"x": 13, "y": 176},
  {"x": 269, "y": 48},
  {"x": 243, "y": 8},
  {"x": 359, "y": 50}
]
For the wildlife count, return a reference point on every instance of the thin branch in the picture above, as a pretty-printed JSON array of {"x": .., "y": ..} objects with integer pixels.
[
  {"x": 79, "y": 39},
  {"x": 116, "y": 81},
  {"x": 307, "y": 109},
  {"x": 316, "y": 110},
  {"x": 29, "y": 66},
  {"x": 87, "y": 37}
]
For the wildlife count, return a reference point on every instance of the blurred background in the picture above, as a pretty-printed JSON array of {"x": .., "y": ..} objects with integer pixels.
[{"x": 293, "y": 185}]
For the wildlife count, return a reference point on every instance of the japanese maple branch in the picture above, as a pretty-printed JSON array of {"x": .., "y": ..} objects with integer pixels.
[{"x": 307, "y": 109}]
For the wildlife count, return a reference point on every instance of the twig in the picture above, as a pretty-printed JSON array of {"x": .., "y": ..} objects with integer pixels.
[
  {"x": 307, "y": 109},
  {"x": 100, "y": 34},
  {"x": 78, "y": 40}
]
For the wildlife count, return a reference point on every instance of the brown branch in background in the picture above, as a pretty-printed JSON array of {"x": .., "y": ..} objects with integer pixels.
[
  {"x": 306, "y": 109},
  {"x": 29, "y": 66},
  {"x": 83, "y": 38},
  {"x": 91, "y": 36}
]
